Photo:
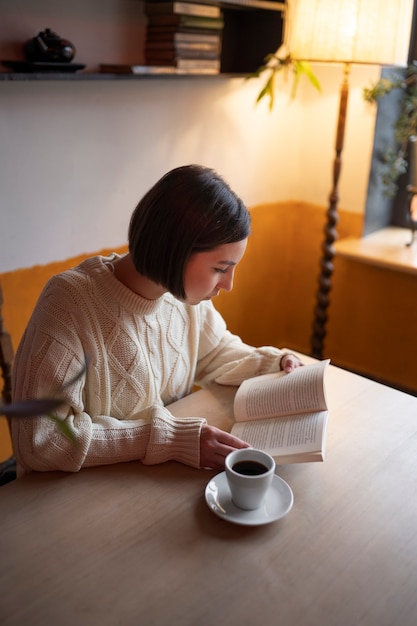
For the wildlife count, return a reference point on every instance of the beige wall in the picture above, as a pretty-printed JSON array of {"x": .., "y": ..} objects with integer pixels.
[{"x": 78, "y": 155}]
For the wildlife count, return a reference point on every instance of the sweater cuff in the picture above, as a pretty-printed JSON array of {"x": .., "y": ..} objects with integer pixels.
[{"x": 174, "y": 439}]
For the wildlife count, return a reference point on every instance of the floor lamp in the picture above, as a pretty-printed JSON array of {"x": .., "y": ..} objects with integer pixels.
[{"x": 345, "y": 32}]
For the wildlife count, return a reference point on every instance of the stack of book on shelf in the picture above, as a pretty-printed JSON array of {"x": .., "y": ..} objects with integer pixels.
[{"x": 183, "y": 35}]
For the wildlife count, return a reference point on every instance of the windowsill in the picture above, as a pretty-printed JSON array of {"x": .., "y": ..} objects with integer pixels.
[{"x": 385, "y": 248}]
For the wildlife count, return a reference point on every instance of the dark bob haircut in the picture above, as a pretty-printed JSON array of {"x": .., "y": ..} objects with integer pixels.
[{"x": 190, "y": 209}]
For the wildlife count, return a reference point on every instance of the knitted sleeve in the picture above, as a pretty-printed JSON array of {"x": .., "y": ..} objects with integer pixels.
[
  {"x": 152, "y": 435},
  {"x": 225, "y": 359},
  {"x": 51, "y": 352},
  {"x": 154, "y": 438}
]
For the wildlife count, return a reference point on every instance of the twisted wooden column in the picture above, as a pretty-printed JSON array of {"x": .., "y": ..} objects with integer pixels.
[
  {"x": 6, "y": 357},
  {"x": 330, "y": 230},
  {"x": 412, "y": 212}
]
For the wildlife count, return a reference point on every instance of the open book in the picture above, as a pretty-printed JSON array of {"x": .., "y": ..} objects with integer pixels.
[{"x": 285, "y": 414}]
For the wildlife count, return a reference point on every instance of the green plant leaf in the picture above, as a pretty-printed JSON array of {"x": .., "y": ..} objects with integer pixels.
[
  {"x": 268, "y": 91},
  {"x": 44, "y": 406},
  {"x": 395, "y": 156},
  {"x": 303, "y": 67},
  {"x": 64, "y": 428},
  {"x": 275, "y": 64}
]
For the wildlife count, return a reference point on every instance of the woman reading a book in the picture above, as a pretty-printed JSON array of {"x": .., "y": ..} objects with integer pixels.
[{"x": 147, "y": 327}]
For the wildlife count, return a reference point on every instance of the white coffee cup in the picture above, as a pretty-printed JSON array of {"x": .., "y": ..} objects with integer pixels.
[{"x": 249, "y": 475}]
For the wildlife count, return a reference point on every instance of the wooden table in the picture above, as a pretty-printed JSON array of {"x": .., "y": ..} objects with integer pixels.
[{"x": 129, "y": 545}]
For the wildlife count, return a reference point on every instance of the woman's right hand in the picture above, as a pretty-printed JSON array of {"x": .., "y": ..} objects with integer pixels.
[{"x": 215, "y": 445}]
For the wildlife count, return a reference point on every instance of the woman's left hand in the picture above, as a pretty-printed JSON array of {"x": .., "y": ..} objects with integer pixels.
[{"x": 289, "y": 362}]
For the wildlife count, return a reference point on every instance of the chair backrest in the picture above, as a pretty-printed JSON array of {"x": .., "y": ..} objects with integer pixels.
[
  {"x": 6, "y": 356},
  {"x": 8, "y": 467}
]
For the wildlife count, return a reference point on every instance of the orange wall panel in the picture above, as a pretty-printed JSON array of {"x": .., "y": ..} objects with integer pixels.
[{"x": 372, "y": 322}]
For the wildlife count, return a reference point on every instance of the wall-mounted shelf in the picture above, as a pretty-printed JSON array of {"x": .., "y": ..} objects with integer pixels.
[
  {"x": 88, "y": 76},
  {"x": 269, "y": 5},
  {"x": 252, "y": 29}
]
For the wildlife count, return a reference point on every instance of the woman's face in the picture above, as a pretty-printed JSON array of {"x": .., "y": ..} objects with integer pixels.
[{"x": 206, "y": 273}]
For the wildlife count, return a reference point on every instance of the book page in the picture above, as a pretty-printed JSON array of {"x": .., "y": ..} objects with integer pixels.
[
  {"x": 280, "y": 394},
  {"x": 302, "y": 435}
]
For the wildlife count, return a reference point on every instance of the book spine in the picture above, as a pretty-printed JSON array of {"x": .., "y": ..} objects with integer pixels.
[
  {"x": 201, "y": 64},
  {"x": 212, "y": 65},
  {"x": 187, "y": 46},
  {"x": 175, "y": 38},
  {"x": 185, "y": 8},
  {"x": 110, "y": 68},
  {"x": 190, "y": 21},
  {"x": 153, "y": 69},
  {"x": 174, "y": 55},
  {"x": 163, "y": 32}
]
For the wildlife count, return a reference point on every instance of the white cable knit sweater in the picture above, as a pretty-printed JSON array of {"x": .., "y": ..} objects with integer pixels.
[{"x": 142, "y": 355}]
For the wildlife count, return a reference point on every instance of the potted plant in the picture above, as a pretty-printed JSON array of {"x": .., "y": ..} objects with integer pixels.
[
  {"x": 279, "y": 62},
  {"x": 397, "y": 157}
]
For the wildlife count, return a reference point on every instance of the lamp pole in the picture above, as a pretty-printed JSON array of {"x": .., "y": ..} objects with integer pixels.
[
  {"x": 345, "y": 32},
  {"x": 330, "y": 229}
]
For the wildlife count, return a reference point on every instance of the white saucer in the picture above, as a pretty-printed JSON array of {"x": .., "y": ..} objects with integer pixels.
[{"x": 278, "y": 502}]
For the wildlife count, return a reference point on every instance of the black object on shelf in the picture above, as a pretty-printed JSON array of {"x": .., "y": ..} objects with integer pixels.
[
  {"x": 49, "y": 47},
  {"x": 39, "y": 66}
]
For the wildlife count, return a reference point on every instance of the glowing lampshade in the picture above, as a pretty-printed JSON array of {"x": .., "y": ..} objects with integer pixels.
[{"x": 350, "y": 31}]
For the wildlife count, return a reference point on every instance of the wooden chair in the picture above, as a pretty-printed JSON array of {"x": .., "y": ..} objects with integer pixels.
[{"x": 8, "y": 467}]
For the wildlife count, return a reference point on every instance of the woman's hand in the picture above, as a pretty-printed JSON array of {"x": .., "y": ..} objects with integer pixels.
[
  {"x": 215, "y": 445},
  {"x": 289, "y": 362}
]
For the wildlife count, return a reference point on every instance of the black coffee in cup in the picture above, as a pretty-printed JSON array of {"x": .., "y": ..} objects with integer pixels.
[
  {"x": 249, "y": 468},
  {"x": 249, "y": 474}
]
